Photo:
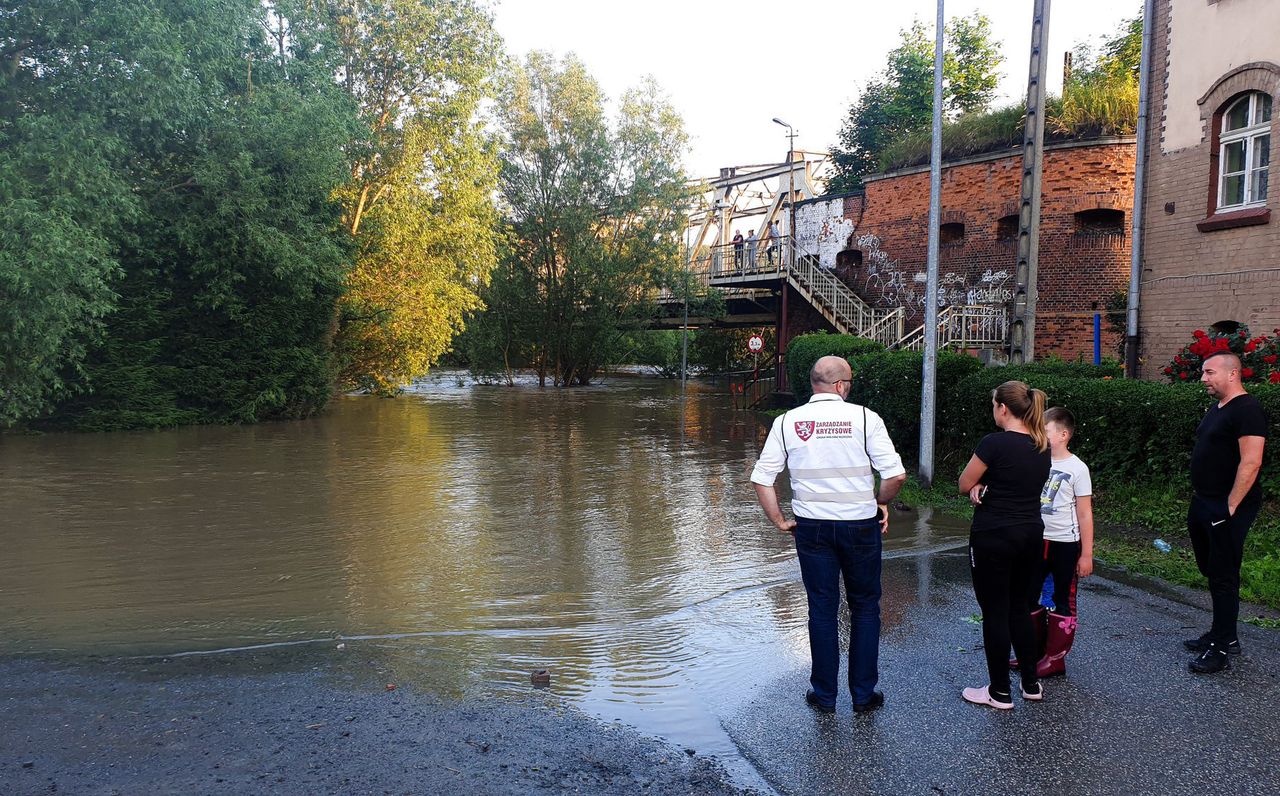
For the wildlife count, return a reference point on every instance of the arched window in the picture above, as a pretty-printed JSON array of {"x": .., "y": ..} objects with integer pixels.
[{"x": 1244, "y": 152}]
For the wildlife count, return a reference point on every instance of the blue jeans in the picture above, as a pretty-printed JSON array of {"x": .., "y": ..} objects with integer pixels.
[{"x": 827, "y": 549}]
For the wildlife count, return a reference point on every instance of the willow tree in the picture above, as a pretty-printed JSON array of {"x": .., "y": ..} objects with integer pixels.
[
  {"x": 594, "y": 209},
  {"x": 419, "y": 201}
]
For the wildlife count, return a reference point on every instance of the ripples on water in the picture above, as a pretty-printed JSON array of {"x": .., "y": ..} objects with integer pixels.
[{"x": 607, "y": 533}]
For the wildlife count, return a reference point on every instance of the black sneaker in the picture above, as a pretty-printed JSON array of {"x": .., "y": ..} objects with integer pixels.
[
  {"x": 874, "y": 703},
  {"x": 1211, "y": 661},
  {"x": 1201, "y": 644},
  {"x": 812, "y": 699}
]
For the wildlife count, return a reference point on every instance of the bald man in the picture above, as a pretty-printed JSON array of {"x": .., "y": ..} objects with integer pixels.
[
  {"x": 1224, "y": 474},
  {"x": 832, "y": 448}
]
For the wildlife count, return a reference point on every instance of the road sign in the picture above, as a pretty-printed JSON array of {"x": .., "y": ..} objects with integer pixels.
[{"x": 756, "y": 344}]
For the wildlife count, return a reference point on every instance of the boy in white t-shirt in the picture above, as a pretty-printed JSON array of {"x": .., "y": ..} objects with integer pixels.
[{"x": 1066, "y": 506}]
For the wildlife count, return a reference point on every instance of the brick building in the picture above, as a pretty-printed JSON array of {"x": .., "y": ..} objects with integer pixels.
[
  {"x": 877, "y": 241},
  {"x": 1211, "y": 252}
]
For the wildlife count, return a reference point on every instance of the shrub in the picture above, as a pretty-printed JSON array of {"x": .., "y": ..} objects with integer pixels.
[
  {"x": 889, "y": 383},
  {"x": 1126, "y": 430},
  {"x": 1258, "y": 355},
  {"x": 806, "y": 349}
]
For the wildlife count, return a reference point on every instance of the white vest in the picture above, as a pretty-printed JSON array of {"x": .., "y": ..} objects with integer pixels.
[{"x": 831, "y": 449}]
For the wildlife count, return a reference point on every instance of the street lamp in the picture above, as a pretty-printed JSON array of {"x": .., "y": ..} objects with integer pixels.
[{"x": 791, "y": 192}]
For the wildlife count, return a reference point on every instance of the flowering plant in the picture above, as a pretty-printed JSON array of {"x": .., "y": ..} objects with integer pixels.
[{"x": 1258, "y": 355}]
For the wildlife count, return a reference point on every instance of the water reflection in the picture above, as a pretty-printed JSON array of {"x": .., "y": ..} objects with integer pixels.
[{"x": 478, "y": 532}]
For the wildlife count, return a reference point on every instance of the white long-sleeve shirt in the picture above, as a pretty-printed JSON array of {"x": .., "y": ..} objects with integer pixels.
[{"x": 821, "y": 443}]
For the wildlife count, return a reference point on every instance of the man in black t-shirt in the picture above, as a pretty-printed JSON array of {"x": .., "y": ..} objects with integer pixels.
[{"x": 1224, "y": 475}]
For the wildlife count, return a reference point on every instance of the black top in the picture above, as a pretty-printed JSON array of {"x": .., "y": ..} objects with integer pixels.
[
  {"x": 1216, "y": 456},
  {"x": 1015, "y": 477}
]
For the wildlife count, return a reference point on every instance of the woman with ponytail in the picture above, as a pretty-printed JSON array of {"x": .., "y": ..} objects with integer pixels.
[{"x": 1003, "y": 480}]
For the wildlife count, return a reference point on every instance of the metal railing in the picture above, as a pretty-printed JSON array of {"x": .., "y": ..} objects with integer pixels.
[
  {"x": 750, "y": 392},
  {"x": 834, "y": 299},
  {"x": 729, "y": 267},
  {"x": 964, "y": 326}
]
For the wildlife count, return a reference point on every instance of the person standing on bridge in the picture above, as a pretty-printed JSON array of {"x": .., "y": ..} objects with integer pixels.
[
  {"x": 1227, "y": 497},
  {"x": 831, "y": 449},
  {"x": 751, "y": 249},
  {"x": 737, "y": 250},
  {"x": 774, "y": 236}
]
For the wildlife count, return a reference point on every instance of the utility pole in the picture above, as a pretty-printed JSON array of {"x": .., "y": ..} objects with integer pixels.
[
  {"x": 929, "y": 377},
  {"x": 1022, "y": 329},
  {"x": 781, "y": 341},
  {"x": 1139, "y": 198}
]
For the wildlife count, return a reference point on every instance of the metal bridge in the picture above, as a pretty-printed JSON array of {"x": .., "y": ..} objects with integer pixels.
[{"x": 752, "y": 276}]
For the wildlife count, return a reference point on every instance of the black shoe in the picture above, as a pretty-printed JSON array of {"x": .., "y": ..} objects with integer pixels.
[
  {"x": 812, "y": 699},
  {"x": 1211, "y": 661},
  {"x": 874, "y": 703},
  {"x": 1201, "y": 644}
]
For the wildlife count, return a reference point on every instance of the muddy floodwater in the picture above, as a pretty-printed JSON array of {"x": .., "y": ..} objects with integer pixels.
[{"x": 471, "y": 533}]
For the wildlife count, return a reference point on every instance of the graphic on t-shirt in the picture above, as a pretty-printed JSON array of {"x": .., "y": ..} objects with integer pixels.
[
  {"x": 1050, "y": 492},
  {"x": 804, "y": 429}
]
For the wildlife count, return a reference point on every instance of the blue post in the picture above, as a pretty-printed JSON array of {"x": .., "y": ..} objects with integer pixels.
[{"x": 1097, "y": 338}]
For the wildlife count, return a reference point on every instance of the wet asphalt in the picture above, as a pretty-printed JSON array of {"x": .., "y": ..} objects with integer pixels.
[{"x": 1128, "y": 717}]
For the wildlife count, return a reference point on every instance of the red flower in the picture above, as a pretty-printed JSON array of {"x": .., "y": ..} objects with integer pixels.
[
  {"x": 1246, "y": 373},
  {"x": 1168, "y": 371},
  {"x": 1182, "y": 375},
  {"x": 1274, "y": 378},
  {"x": 1270, "y": 359},
  {"x": 1250, "y": 346},
  {"x": 1222, "y": 344},
  {"x": 1199, "y": 333}
]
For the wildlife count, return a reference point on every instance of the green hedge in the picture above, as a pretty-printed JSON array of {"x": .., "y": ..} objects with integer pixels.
[
  {"x": 806, "y": 349},
  {"x": 889, "y": 383},
  {"x": 1127, "y": 431}
]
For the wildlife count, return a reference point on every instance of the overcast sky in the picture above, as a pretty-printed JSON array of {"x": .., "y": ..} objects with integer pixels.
[{"x": 730, "y": 67}]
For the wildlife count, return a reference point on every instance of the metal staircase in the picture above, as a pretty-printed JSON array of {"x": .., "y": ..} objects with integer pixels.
[{"x": 753, "y": 268}]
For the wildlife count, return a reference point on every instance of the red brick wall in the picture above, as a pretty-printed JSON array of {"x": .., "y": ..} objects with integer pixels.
[
  {"x": 1078, "y": 270},
  {"x": 1192, "y": 279}
]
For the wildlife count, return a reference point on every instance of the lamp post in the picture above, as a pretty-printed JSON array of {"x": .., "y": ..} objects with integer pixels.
[{"x": 791, "y": 192}]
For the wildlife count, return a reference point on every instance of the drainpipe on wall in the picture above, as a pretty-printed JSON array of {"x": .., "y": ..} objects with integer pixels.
[{"x": 1139, "y": 196}]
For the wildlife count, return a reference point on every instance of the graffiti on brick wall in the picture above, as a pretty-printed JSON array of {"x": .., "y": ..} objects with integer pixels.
[
  {"x": 889, "y": 285},
  {"x": 822, "y": 229}
]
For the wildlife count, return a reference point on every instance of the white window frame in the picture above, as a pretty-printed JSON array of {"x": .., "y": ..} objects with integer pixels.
[{"x": 1249, "y": 135}]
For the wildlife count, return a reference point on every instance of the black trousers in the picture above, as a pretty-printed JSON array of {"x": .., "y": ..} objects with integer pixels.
[
  {"x": 1006, "y": 567},
  {"x": 1060, "y": 560},
  {"x": 1218, "y": 541}
]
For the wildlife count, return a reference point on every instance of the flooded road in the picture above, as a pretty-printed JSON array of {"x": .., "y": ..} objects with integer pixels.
[{"x": 473, "y": 533}]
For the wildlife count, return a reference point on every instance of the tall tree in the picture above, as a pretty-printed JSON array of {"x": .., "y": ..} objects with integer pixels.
[
  {"x": 195, "y": 214},
  {"x": 61, "y": 195},
  {"x": 594, "y": 212},
  {"x": 899, "y": 100},
  {"x": 419, "y": 199}
]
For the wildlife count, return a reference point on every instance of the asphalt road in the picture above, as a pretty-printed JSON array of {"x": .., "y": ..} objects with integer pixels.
[{"x": 1128, "y": 718}]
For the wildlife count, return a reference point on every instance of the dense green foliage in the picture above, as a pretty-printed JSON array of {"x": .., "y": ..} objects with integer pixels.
[
  {"x": 219, "y": 209},
  {"x": 805, "y": 349},
  {"x": 173, "y": 169},
  {"x": 594, "y": 214},
  {"x": 1100, "y": 98},
  {"x": 711, "y": 351},
  {"x": 1127, "y": 430},
  {"x": 899, "y": 101}
]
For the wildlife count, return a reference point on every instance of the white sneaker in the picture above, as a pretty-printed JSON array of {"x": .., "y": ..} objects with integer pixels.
[
  {"x": 982, "y": 696},
  {"x": 1033, "y": 696}
]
